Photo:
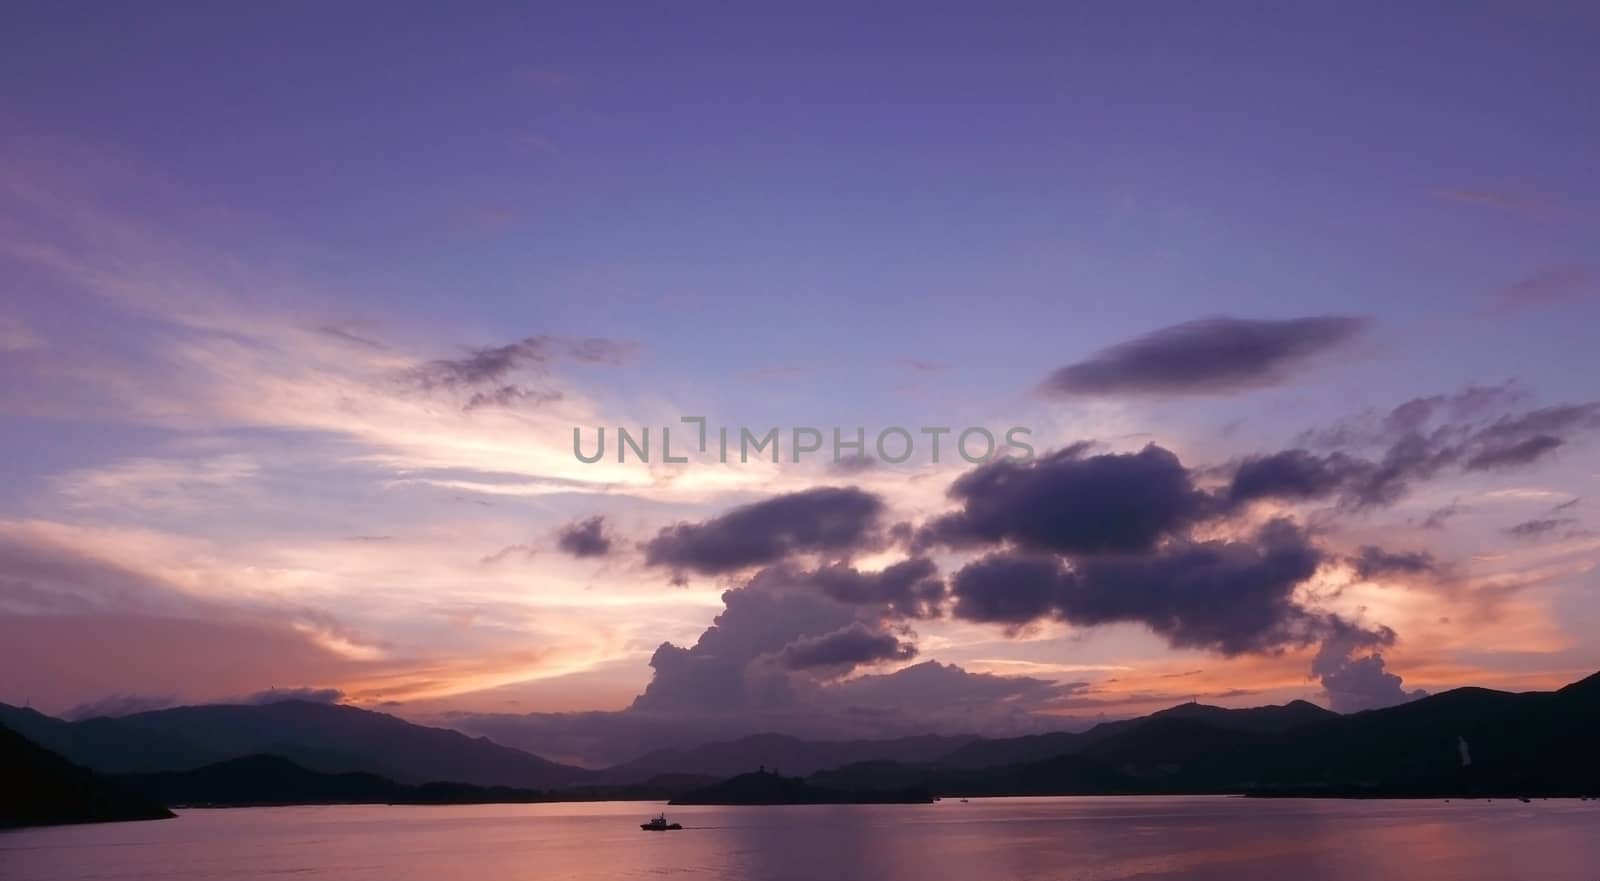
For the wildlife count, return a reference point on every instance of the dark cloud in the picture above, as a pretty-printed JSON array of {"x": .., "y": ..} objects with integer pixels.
[
  {"x": 1376, "y": 428},
  {"x": 585, "y": 538},
  {"x": 1291, "y": 475},
  {"x": 1207, "y": 356},
  {"x": 482, "y": 374},
  {"x": 847, "y": 648},
  {"x": 1010, "y": 588},
  {"x": 1514, "y": 454},
  {"x": 492, "y": 364},
  {"x": 1374, "y": 562},
  {"x": 1065, "y": 502},
  {"x": 510, "y": 396},
  {"x": 1438, "y": 517},
  {"x": 524, "y": 550},
  {"x": 1414, "y": 442},
  {"x": 1539, "y": 527},
  {"x": 482, "y": 366},
  {"x": 907, "y": 589},
  {"x": 827, "y": 520},
  {"x": 1553, "y": 420},
  {"x": 1231, "y": 597}
]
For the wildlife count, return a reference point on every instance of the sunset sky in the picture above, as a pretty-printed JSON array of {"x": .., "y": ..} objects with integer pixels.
[{"x": 300, "y": 305}]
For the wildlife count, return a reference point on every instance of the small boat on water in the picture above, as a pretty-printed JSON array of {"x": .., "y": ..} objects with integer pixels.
[{"x": 660, "y": 824}]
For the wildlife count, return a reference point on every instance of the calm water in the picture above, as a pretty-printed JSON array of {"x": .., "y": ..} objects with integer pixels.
[{"x": 986, "y": 840}]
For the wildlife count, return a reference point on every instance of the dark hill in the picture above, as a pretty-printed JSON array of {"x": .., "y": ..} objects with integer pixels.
[
  {"x": 767, "y": 788},
  {"x": 1058, "y": 775},
  {"x": 274, "y": 780},
  {"x": 781, "y": 752},
  {"x": 41, "y": 788},
  {"x": 1533, "y": 743},
  {"x": 105, "y": 744},
  {"x": 986, "y": 753},
  {"x": 322, "y": 737}
]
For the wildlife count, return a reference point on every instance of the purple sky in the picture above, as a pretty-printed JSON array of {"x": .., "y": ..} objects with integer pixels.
[{"x": 246, "y": 254}]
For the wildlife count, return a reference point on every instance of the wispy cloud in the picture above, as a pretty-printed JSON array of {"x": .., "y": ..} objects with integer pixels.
[{"x": 1511, "y": 201}]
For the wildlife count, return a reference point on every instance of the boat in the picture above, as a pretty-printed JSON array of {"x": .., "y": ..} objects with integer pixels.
[{"x": 660, "y": 824}]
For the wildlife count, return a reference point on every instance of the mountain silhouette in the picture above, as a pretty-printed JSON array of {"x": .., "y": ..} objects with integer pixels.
[
  {"x": 263, "y": 780},
  {"x": 274, "y": 780},
  {"x": 40, "y": 788},
  {"x": 802, "y": 757},
  {"x": 323, "y": 737},
  {"x": 1528, "y": 744},
  {"x": 1532, "y": 743},
  {"x": 767, "y": 788},
  {"x": 986, "y": 753}
]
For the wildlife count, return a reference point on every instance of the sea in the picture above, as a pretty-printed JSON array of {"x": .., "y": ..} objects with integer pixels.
[{"x": 1061, "y": 839}]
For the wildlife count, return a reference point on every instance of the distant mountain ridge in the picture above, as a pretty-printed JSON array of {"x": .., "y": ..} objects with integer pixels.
[
  {"x": 261, "y": 780},
  {"x": 1529, "y": 743},
  {"x": 767, "y": 788},
  {"x": 40, "y": 788},
  {"x": 324, "y": 737},
  {"x": 985, "y": 752},
  {"x": 780, "y": 752}
]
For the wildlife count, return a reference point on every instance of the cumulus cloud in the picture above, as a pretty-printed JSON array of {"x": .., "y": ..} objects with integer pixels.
[
  {"x": 834, "y": 521},
  {"x": 925, "y": 698},
  {"x": 1231, "y": 597},
  {"x": 585, "y": 538},
  {"x": 908, "y": 589},
  {"x": 1206, "y": 357},
  {"x": 780, "y": 621},
  {"x": 846, "y": 648},
  {"x": 1353, "y": 674},
  {"x": 1066, "y": 502},
  {"x": 1291, "y": 475}
]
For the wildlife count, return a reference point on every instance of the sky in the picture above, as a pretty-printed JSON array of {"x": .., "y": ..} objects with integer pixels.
[{"x": 300, "y": 307}]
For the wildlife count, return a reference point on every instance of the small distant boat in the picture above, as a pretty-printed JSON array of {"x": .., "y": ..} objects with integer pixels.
[
  {"x": 660, "y": 824},
  {"x": 1524, "y": 799}
]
